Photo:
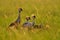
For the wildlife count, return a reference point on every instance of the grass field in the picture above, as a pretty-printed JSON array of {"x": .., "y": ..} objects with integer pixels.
[{"x": 47, "y": 12}]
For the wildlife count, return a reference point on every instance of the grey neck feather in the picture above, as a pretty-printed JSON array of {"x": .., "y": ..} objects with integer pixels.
[{"x": 18, "y": 18}]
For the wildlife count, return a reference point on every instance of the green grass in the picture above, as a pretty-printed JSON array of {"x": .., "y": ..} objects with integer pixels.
[{"x": 46, "y": 11}]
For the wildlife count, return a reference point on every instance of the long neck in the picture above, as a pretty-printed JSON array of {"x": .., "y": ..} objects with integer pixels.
[
  {"x": 19, "y": 11},
  {"x": 19, "y": 14},
  {"x": 27, "y": 20},
  {"x": 33, "y": 22},
  {"x": 18, "y": 18}
]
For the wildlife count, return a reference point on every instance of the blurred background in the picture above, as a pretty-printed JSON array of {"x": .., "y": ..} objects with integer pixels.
[{"x": 47, "y": 12}]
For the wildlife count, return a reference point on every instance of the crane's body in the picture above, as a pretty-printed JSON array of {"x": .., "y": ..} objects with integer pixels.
[{"x": 18, "y": 20}]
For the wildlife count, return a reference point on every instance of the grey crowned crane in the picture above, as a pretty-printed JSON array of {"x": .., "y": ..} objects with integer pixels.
[
  {"x": 33, "y": 19},
  {"x": 27, "y": 23},
  {"x": 33, "y": 22},
  {"x": 15, "y": 23}
]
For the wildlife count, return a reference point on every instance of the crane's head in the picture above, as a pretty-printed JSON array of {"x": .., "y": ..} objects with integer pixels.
[
  {"x": 33, "y": 16},
  {"x": 20, "y": 9},
  {"x": 27, "y": 18}
]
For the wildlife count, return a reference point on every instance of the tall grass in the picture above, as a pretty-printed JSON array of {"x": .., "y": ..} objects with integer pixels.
[{"x": 47, "y": 12}]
